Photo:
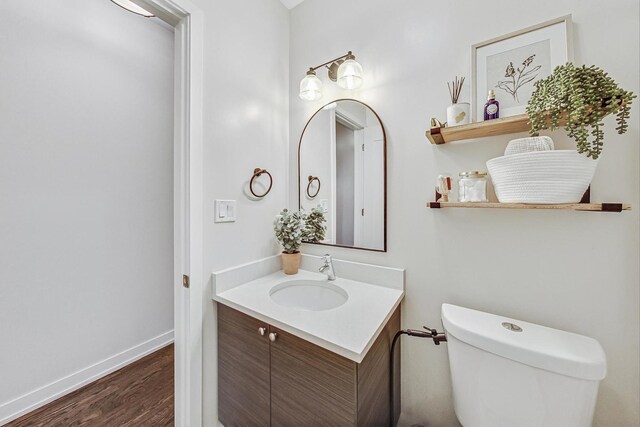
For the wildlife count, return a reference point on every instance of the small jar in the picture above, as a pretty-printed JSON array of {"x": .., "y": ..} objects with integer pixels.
[{"x": 472, "y": 186}]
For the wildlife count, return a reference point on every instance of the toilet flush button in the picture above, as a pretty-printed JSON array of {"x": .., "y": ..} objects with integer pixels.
[{"x": 511, "y": 326}]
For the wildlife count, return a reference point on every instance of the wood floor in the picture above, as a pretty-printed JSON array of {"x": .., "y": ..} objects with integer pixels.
[{"x": 140, "y": 394}]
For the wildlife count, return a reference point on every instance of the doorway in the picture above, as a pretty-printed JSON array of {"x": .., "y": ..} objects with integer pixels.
[{"x": 186, "y": 182}]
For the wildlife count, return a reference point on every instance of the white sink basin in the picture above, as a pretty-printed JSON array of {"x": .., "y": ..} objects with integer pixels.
[{"x": 311, "y": 295}]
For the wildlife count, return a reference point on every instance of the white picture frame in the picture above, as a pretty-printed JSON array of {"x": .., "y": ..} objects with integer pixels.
[{"x": 511, "y": 64}]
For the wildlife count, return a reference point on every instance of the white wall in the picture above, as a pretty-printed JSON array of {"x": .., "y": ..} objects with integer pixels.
[
  {"x": 316, "y": 160},
  {"x": 246, "y": 107},
  {"x": 86, "y": 179},
  {"x": 569, "y": 270}
]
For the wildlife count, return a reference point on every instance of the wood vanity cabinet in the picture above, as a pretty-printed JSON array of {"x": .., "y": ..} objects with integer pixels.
[
  {"x": 244, "y": 377},
  {"x": 292, "y": 382}
]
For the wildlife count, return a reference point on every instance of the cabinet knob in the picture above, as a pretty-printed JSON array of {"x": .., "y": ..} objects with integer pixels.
[
  {"x": 273, "y": 336},
  {"x": 262, "y": 331}
]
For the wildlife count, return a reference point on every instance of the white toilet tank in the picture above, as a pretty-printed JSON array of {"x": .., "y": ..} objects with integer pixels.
[{"x": 509, "y": 373}]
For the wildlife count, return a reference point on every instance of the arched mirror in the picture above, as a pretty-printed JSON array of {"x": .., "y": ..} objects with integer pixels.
[{"x": 342, "y": 169}]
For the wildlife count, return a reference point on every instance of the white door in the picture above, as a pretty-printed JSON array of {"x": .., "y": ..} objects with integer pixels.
[{"x": 370, "y": 189}]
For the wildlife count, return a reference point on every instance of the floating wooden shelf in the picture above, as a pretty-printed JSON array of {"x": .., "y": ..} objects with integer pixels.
[
  {"x": 503, "y": 126},
  {"x": 594, "y": 207},
  {"x": 513, "y": 124}
]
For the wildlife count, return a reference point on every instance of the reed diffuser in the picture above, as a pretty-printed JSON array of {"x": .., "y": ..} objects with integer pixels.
[{"x": 457, "y": 112}]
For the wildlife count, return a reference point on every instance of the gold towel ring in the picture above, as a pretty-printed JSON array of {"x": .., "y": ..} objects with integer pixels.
[
  {"x": 256, "y": 173},
  {"x": 311, "y": 179}
]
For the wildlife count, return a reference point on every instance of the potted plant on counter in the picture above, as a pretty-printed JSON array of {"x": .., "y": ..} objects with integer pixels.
[
  {"x": 581, "y": 97},
  {"x": 289, "y": 230}
]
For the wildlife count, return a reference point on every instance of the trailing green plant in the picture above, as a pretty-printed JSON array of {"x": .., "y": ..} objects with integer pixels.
[
  {"x": 289, "y": 228},
  {"x": 583, "y": 97},
  {"x": 314, "y": 230}
]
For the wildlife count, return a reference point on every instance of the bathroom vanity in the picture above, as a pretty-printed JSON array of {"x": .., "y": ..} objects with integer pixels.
[
  {"x": 276, "y": 378},
  {"x": 307, "y": 361}
]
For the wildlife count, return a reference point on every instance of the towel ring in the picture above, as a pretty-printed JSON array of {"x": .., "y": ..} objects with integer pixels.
[
  {"x": 256, "y": 173},
  {"x": 311, "y": 179}
]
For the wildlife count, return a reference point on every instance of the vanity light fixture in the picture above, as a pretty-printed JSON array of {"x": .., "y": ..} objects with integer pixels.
[
  {"x": 344, "y": 70},
  {"x": 132, "y": 7}
]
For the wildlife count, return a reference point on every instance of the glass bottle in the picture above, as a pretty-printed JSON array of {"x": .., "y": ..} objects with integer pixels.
[{"x": 492, "y": 107}]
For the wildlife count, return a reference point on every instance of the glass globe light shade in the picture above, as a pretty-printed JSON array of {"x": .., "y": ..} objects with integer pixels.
[
  {"x": 310, "y": 87},
  {"x": 350, "y": 74}
]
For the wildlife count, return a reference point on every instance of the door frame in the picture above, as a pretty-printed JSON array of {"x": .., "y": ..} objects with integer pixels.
[
  {"x": 188, "y": 22},
  {"x": 333, "y": 211}
]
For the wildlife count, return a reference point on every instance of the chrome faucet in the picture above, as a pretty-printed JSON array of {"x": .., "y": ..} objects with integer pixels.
[{"x": 328, "y": 267}]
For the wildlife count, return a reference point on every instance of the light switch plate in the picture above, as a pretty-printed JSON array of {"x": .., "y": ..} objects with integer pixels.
[{"x": 225, "y": 211}]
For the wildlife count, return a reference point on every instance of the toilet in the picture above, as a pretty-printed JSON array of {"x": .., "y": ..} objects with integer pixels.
[{"x": 509, "y": 373}]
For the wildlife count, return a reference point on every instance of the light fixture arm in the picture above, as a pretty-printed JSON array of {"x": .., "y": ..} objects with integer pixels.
[{"x": 349, "y": 55}]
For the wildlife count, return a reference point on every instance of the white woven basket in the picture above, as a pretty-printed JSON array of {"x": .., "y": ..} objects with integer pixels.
[
  {"x": 560, "y": 176},
  {"x": 525, "y": 145}
]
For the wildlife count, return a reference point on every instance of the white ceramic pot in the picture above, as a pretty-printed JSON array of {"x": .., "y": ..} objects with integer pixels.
[
  {"x": 560, "y": 176},
  {"x": 458, "y": 114}
]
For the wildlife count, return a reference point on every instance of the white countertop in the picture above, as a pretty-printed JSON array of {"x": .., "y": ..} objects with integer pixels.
[{"x": 348, "y": 330}]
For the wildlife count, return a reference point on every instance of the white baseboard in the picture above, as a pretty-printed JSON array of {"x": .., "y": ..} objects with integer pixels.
[{"x": 34, "y": 399}]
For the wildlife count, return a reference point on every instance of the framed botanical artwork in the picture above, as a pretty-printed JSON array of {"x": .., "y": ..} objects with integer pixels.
[{"x": 511, "y": 64}]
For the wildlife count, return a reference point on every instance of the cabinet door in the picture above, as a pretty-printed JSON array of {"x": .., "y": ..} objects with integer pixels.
[
  {"x": 310, "y": 386},
  {"x": 243, "y": 370}
]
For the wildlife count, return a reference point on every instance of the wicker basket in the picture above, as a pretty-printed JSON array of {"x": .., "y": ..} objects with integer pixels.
[{"x": 560, "y": 176}]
